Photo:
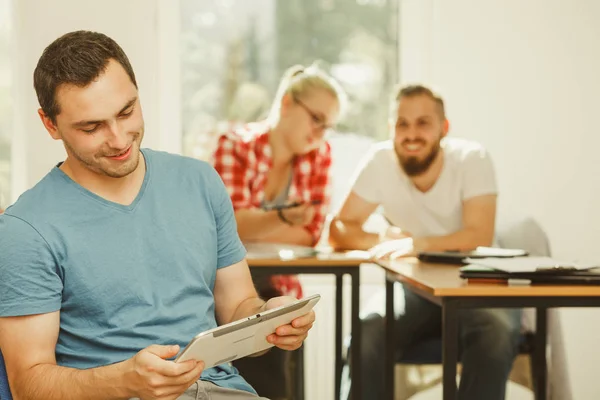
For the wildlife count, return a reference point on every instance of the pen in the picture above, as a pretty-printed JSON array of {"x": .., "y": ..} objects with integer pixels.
[{"x": 290, "y": 205}]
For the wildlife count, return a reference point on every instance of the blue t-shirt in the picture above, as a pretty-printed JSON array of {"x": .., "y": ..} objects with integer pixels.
[{"x": 123, "y": 277}]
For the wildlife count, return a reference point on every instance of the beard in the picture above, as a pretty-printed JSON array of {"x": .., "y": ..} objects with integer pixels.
[
  {"x": 412, "y": 166},
  {"x": 99, "y": 163}
]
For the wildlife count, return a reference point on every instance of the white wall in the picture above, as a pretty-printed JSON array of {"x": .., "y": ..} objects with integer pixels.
[
  {"x": 147, "y": 31},
  {"x": 523, "y": 78}
]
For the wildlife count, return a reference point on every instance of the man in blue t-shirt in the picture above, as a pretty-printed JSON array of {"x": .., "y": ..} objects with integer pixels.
[{"x": 120, "y": 255}]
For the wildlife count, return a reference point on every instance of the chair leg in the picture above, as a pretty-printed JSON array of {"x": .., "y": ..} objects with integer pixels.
[
  {"x": 539, "y": 368},
  {"x": 299, "y": 374}
]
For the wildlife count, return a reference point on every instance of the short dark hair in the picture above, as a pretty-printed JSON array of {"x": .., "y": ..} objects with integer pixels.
[
  {"x": 419, "y": 90},
  {"x": 76, "y": 58}
]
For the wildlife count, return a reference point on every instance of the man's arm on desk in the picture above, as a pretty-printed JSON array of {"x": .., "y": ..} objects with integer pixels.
[
  {"x": 346, "y": 231},
  {"x": 479, "y": 216},
  {"x": 28, "y": 345},
  {"x": 478, "y": 220}
]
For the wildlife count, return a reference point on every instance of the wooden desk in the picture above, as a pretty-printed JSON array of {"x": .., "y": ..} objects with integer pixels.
[
  {"x": 442, "y": 285},
  {"x": 339, "y": 265}
]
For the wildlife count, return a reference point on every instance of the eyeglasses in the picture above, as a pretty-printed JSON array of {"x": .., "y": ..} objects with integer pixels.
[{"x": 316, "y": 119}]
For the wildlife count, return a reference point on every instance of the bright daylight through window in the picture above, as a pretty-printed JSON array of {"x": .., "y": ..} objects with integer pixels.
[{"x": 235, "y": 51}]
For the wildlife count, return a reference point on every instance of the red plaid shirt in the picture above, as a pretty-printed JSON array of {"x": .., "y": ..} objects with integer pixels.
[{"x": 243, "y": 158}]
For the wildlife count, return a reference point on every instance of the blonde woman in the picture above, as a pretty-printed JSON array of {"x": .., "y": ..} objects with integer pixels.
[{"x": 284, "y": 160}]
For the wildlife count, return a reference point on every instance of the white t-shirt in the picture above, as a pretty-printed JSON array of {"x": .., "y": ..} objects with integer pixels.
[{"x": 467, "y": 172}]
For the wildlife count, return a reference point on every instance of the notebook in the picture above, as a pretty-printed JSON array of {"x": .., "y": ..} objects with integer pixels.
[
  {"x": 556, "y": 276},
  {"x": 530, "y": 264},
  {"x": 459, "y": 257}
]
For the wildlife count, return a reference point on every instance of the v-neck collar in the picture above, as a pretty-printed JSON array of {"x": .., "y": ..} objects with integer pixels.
[{"x": 121, "y": 207}]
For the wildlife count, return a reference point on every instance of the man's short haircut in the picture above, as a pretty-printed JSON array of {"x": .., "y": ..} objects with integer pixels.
[
  {"x": 76, "y": 58},
  {"x": 419, "y": 90}
]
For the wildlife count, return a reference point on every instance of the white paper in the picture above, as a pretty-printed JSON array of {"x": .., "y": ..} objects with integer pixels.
[
  {"x": 527, "y": 264},
  {"x": 497, "y": 252}
]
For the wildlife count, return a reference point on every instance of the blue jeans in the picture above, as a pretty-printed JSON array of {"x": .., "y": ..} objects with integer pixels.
[{"x": 488, "y": 339}]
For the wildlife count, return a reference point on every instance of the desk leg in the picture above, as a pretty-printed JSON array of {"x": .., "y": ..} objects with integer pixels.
[
  {"x": 539, "y": 354},
  {"x": 390, "y": 348},
  {"x": 338, "y": 333},
  {"x": 450, "y": 347},
  {"x": 356, "y": 336}
]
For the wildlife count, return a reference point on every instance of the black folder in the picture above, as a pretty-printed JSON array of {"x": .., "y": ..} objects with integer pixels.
[
  {"x": 547, "y": 276},
  {"x": 458, "y": 257}
]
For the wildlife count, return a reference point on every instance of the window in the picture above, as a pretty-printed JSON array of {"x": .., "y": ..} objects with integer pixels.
[
  {"x": 233, "y": 55},
  {"x": 5, "y": 104},
  {"x": 235, "y": 51}
]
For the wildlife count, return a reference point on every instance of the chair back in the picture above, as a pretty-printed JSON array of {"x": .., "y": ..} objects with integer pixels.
[{"x": 524, "y": 234}]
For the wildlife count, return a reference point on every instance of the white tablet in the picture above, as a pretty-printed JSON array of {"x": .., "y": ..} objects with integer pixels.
[{"x": 243, "y": 337}]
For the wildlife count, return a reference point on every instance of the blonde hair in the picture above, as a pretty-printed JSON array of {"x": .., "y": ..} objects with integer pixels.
[{"x": 299, "y": 80}]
